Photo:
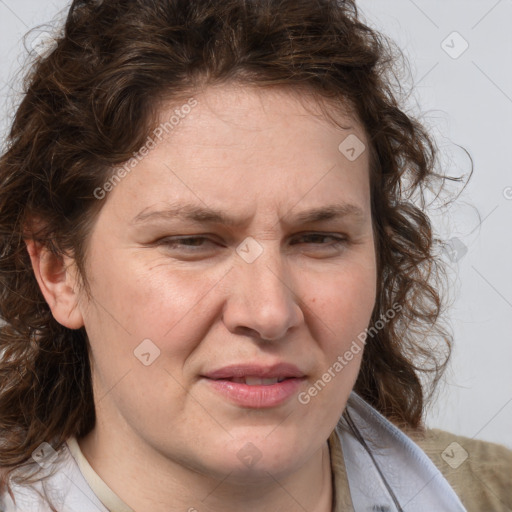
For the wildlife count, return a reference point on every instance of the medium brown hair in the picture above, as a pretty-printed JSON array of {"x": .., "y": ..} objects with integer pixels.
[{"x": 89, "y": 105}]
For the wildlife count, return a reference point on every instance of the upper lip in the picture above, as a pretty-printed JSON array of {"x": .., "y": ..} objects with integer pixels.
[{"x": 255, "y": 370}]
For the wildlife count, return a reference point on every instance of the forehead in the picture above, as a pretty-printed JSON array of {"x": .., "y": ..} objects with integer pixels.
[
  {"x": 242, "y": 146},
  {"x": 252, "y": 108}
]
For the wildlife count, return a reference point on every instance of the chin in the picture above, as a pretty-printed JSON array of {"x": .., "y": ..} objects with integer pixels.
[{"x": 251, "y": 457}]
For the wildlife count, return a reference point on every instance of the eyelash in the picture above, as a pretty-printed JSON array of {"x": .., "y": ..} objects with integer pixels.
[{"x": 172, "y": 242}]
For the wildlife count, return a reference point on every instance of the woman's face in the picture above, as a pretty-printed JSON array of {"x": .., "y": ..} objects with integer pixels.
[{"x": 179, "y": 294}]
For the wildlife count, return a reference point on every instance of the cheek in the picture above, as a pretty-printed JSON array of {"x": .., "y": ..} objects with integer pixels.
[
  {"x": 341, "y": 309},
  {"x": 346, "y": 300},
  {"x": 149, "y": 299}
]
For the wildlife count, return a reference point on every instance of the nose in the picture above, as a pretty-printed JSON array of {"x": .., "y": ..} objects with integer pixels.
[{"x": 262, "y": 301}]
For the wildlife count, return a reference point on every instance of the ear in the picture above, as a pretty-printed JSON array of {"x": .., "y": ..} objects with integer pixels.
[{"x": 57, "y": 278}]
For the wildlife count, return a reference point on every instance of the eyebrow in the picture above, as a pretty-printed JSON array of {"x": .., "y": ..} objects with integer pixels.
[{"x": 206, "y": 215}]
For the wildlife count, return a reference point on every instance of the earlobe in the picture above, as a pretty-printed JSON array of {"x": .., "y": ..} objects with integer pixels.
[{"x": 56, "y": 277}]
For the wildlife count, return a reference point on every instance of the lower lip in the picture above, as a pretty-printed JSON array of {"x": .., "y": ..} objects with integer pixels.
[{"x": 258, "y": 396}]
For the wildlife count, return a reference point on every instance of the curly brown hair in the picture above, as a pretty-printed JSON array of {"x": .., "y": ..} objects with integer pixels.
[{"x": 91, "y": 102}]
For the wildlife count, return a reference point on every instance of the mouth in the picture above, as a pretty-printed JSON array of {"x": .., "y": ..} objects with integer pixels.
[
  {"x": 256, "y": 386},
  {"x": 256, "y": 381},
  {"x": 256, "y": 373},
  {"x": 250, "y": 392}
]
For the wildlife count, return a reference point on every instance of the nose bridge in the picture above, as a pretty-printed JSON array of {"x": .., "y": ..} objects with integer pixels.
[
  {"x": 263, "y": 297},
  {"x": 267, "y": 274}
]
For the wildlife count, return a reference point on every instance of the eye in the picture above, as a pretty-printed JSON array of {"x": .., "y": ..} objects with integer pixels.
[
  {"x": 337, "y": 240},
  {"x": 190, "y": 244}
]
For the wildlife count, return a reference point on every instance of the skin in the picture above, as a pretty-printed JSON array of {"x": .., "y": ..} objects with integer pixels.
[{"x": 164, "y": 439}]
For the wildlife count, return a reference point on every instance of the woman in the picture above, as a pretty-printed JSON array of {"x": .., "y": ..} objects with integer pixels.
[{"x": 213, "y": 281}]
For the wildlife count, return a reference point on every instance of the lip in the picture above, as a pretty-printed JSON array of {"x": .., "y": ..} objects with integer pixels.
[
  {"x": 257, "y": 396},
  {"x": 255, "y": 370}
]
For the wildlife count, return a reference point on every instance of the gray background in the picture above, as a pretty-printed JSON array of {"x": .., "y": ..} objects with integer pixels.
[{"x": 465, "y": 98}]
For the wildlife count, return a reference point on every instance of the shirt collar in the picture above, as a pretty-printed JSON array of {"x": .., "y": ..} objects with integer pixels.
[{"x": 385, "y": 469}]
